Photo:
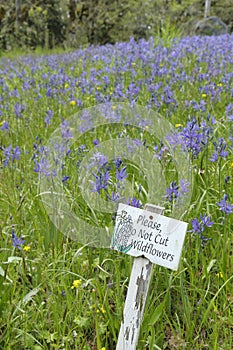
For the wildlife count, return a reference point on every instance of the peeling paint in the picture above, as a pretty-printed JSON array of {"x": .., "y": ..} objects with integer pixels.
[{"x": 127, "y": 332}]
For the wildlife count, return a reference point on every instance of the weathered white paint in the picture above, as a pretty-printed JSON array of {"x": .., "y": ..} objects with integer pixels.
[
  {"x": 207, "y": 8},
  {"x": 136, "y": 298}
]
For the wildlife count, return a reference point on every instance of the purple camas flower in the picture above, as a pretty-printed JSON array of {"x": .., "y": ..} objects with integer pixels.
[
  {"x": 138, "y": 142},
  {"x": 134, "y": 202},
  {"x": 16, "y": 153},
  {"x": 225, "y": 206},
  {"x": 99, "y": 159},
  {"x": 17, "y": 241},
  {"x": 184, "y": 187},
  {"x": 95, "y": 142},
  {"x": 65, "y": 130},
  {"x": 159, "y": 150},
  {"x": 43, "y": 167},
  {"x": 65, "y": 178},
  {"x": 101, "y": 181},
  {"x": 48, "y": 117},
  {"x": 227, "y": 179},
  {"x": 7, "y": 154},
  {"x": 5, "y": 126},
  {"x": 198, "y": 227},
  {"x": 118, "y": 162},
  {"x": 18, "y": 109},
  {"x": 192, "y": 137},
  {"x": 11, "y": 153},
  {"x": 63, "y": 293},
  {"x": 121, "y": 174},
  {"x": 172, "y": 191},
  {"x": 229, "y": 111},
  {"x": 115, "y": 196},
  {"x": 220, "y": 150},
  {"x": 206, "y": 220}
]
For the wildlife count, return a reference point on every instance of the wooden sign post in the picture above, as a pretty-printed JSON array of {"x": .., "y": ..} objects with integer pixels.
[{"x": 151, "y": 238}]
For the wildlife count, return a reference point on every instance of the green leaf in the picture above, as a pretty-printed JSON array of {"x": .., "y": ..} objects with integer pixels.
[
  {"x": 2, "y": 273},
  {"x": 152, "y": 316}
]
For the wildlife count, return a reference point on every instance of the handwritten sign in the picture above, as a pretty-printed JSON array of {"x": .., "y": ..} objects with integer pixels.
[{"x": 140, "y": 232}]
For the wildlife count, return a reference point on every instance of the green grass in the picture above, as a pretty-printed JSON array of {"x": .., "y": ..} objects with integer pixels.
[{"x": 39, "y": 309}]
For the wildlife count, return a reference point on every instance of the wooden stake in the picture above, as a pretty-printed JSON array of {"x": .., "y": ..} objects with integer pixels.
[{"x": 136, "y": 298}]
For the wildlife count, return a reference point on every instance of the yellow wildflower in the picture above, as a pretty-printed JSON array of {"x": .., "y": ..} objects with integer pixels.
[
  {"x": 102, "y": 310},
  {"x": 219, "y": 274},
  {"x": 98, "y": 88},
  {"x": 73, "y": 103},
  {"x": 220, "y": 84},
  {"x": 178, "y": 125},
  {"x": 103, "y": 348},
  {"x": 66, "y": 86},
  {"x": 26, "y": 248},
  {"x": 203, "y": 95},
  {"x": 76, "y": 284}
]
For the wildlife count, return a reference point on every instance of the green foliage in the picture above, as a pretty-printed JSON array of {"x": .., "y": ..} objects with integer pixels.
[
  {"x": 71, "y": 23},
  {"x": 61, "y": 295}
]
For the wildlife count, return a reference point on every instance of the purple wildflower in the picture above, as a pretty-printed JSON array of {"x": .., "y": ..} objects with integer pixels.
[
  {"x": 172, "y": 191},
  {"x": 121, "y": 174},
  {"x": 48, "y": 117},
  {"x": 18, "y": 109},
  {"x": 95, "y": 142},
  {"x": 229, "y": 111},
  {"x": 118, "y": 162},
  {"x": 184, "y": 187},
  {"x": 227, "y": 179},
  {"x": 219, "y": 147},
  {"x": 63, "y": 293},
  {"x": 5, "y": 126},
  {"x": 99, "y": 159},
  {"x": 7, "y": 154},
  {"x": 193, "y": 140},
  {"x": 159, "y": 150},
  {"x": 65, "y": 178},
  {"x": 17, "y": 241},
  {"x": 134, "y": 202},
  {"x": 65, "y": 130},
  {"x": 225, "y": 206},
  {"x": 10, "y": 153},
  {"x": 43, "y": 167},
  {"x": 101, "y": 181},
  {"x": 198, "y": 227},
  {"x": 138, "y": 142},
  {"x": 115, "y": 196},
  {"x": 16, "y": 153},
  {"x": 206, "y": 220}
]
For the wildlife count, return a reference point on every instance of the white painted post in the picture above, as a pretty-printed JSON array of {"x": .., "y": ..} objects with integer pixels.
[
  {"x": 207, "y": 8},
  {"x": 136, "y": 298}
]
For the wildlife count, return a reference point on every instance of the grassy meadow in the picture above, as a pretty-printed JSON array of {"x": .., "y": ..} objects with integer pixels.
[{"x": 58, "y": 293}]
